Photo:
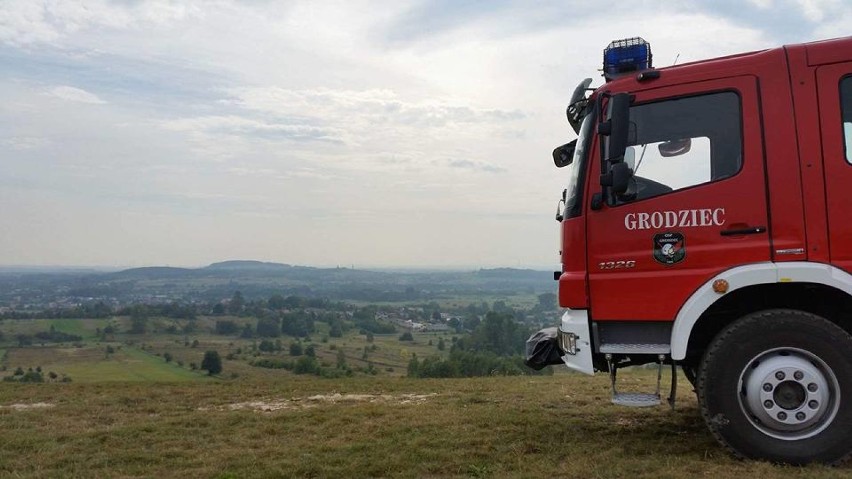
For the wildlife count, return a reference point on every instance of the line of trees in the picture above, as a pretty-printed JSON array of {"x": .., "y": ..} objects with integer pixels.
[{"x": 494, "y": 347}]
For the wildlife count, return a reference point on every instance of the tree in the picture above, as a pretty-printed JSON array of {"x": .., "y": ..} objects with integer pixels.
[
  {"x": 336, "y": 330},
  {"x": 212, "y": 363},
  {"x": 306, "y": 365},
  {"x": 295, "y": 349},
  {"x": 236, "y": 304},
  {"x": 298, "y": 323},
  {"x": 406, "y": 336},
  {"x": 441, "y": 344},
  {"x": 455, "y": 324},
  {"x": 226, "y": 327},
  {"x": 311, "y": 351},
  {"x": 167, "y": 357},
  {"x": 547, "y": 301},
  {"x": 248, "y": 332},
  {"x": 413, "y": 367},
  {"x": 268, "y": 328},
  {"x": 341, "y": 359},
  {"x": 276, "y": 301}
]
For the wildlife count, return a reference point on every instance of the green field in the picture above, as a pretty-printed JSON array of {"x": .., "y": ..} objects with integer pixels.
[
  {"x": 560, "y": 426},
  {"x": 92, "y": 364},
  {"x": 141, "y": 357}
]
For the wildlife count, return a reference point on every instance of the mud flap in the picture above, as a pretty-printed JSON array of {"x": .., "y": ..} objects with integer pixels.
[{"x": 543, "y": 349}]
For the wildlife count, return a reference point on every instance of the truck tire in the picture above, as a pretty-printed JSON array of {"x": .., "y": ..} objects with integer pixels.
[{"x": 777, "y": 385}]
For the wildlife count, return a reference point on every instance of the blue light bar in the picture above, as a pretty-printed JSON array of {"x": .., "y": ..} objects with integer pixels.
[{"x": 625, "y": 56}]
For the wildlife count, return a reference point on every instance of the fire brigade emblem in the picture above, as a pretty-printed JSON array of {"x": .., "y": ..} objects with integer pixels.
[{"x": 669, "y": 248}]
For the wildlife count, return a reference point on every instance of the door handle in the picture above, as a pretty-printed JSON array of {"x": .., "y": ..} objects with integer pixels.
[{"x": 752, "y": 230}]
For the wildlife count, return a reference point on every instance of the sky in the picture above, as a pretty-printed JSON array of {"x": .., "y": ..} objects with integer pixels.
[{"x": 321, "y": 133}]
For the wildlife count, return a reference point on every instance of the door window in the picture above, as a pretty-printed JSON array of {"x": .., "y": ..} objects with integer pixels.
[{"x": 683, "y": 142}]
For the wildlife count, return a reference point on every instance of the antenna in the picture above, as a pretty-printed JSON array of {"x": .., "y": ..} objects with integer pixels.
[{"x": 675, "y": 62}]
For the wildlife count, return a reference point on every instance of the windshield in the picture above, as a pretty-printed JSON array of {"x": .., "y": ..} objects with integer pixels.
[{"x": 574, "y": 189}]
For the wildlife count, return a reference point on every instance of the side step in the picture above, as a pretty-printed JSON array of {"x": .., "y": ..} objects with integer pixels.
[
  {"x": 633, "y": 399},
  {"x": 636, "y": 399}
]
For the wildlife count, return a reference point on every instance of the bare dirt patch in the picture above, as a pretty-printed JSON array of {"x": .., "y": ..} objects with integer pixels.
[
  {"x": 270, "y": 405},
  {"x": 24, "y": 407}
]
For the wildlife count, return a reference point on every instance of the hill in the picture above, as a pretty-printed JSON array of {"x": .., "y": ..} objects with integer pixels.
[
  {"x": 559, "y": 426},
  {"x": 256, "y": 279}
]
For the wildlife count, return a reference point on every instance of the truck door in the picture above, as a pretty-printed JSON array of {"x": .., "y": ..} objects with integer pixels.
[
  {"x": 696, "y": 205},
  {"x": 834, "y": 85}
]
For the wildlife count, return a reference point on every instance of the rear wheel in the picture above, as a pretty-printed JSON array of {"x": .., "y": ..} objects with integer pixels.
[{"x": 777, "y": 385}]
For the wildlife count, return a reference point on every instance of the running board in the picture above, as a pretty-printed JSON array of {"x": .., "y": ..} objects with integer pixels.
[
  {"x": 616, "y": 348},
  {"x": 634, "y": 399}
]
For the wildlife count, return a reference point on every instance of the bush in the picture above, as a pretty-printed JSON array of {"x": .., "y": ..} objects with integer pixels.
[
  {"x": 212, "y": 363},
  {"x": 227, "y": 327},
  {"x": 470, "y": 364},
  {"x": 406, "y": 336},
  {"x": 306, "y": 365},
  {"x": 272, "y": 363},
  {"x": 269, "y": 328}
]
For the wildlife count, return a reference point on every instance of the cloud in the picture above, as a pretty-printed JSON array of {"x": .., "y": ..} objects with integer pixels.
[
  {"x": 240, "y": 126},
  {"x": 22, "y": 143},
  {"x": 475, "y": 165},
  {"x": 25, "y": 22},
  {"x": 409, "y": 123},
  {"x": 380, "y": 106},
  {"x": 69, "y": 93}
]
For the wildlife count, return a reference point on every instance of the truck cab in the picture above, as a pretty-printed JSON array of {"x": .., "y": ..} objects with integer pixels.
[{"x": 705, "y": 225}]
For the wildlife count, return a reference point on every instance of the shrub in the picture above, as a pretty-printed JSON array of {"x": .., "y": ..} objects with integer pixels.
[
  {"x": 212, "y": 363},
  {"x": 306, "y": 365}
]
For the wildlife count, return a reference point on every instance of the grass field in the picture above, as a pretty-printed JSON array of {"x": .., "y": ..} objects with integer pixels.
[
  {"x": 140, "y": 357},
  {"x": 559, "y": 426},
  {"x": 92, "y": 364}
]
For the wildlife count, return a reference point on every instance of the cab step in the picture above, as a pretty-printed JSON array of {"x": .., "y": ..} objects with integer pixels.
[{"x": 635, "y": 399}]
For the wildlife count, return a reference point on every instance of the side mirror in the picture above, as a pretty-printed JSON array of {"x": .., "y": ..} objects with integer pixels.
[
  {"x": 621, "y": 175},
  {"x": 618, "y": 178},
  {"x": 616, "y": 173},
  {"x": 675, "y": 147},
  {"x": 564, "y": 155},
  {"x": 618, "y": 126}
]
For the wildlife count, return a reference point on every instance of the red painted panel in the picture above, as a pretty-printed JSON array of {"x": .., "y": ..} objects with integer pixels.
[
  {"x": 573, "y": 289},
  {"x": 838, "y": 171},
  {"x": 803, "y": 82},
  {"x": 654, "y": 291}
]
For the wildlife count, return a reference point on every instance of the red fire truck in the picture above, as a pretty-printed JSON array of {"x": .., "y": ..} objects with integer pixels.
[{"x": 705, "y": 225}]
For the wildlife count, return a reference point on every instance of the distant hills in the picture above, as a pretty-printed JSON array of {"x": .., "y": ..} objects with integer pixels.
[{"x": 261, "y": 279}]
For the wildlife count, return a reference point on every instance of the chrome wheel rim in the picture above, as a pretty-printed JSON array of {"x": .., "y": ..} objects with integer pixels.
[{"x": 789, "y": 393}]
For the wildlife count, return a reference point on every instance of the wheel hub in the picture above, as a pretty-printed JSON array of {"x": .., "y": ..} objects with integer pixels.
[{"x": 789, "y": 393}]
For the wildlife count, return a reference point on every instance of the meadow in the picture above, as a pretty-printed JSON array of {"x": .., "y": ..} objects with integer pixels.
[
  {"x": 139, "y": 406},
  {"x": 297, "y": 426}
]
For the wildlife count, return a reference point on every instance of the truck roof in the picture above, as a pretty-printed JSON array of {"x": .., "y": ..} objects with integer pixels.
[{"x": 817, "y": 53}]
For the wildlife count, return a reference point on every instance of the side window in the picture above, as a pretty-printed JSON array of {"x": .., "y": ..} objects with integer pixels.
[
  {"x": 846, "y": 115},
  {"x": 683, "y": 142}
]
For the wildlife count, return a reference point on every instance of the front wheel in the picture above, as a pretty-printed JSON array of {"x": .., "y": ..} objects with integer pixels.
[{"x": 777, "y": 385}]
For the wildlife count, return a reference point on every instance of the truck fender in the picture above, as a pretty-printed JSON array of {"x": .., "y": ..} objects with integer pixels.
[{"x": 749, "y": 275}]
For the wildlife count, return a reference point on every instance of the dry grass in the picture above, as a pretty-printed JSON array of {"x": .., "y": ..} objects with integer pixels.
[{"x": 560, "y": 426}]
